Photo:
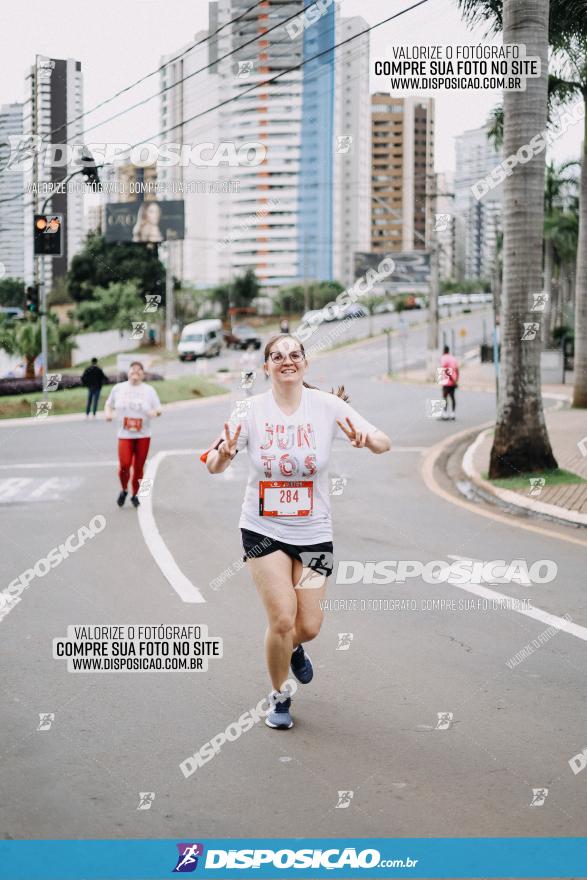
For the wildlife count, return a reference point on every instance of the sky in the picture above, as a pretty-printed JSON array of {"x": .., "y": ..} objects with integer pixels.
[{"x": 118, "y": 42}]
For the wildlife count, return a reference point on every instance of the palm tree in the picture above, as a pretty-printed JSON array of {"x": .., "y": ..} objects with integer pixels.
[
  {"x": 571, "y": 82},
  {"x": 25, "y": 338},
  {"x": 559, "y": 185},
  {"x": 521, "y": 441}
]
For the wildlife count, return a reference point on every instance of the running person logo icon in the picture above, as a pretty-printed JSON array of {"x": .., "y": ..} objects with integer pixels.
[
  {"x": 344, "y": 799},
  {"x": 539, "y": 796},
  {"x": 46, "y": 719},
  {"x": 313, "y": 564},
  {"x": 146, "y": 799},
  {"x": 187, "y": 860}
]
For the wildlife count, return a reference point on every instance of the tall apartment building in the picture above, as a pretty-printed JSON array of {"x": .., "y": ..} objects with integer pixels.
[
  {"x": 352, "y": 153},
  {"x": 11, "y": 198},
  {"x": 402, "y": 172},
  {"x": 477, "y": 221},
  {"x": 54, "y": 89},
  {"x": 188, "y": 91},
  {"x": 282, "y": 213},
  {"x": 279, "y": 221}
]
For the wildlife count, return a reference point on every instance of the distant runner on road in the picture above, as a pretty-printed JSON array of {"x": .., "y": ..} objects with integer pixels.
[
  {"x": 285, "y": 520},
  {"x": 135, "y": 404},
  {"x": 449, "y": 379}
]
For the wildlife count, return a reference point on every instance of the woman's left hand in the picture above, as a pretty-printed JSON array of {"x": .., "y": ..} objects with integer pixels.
[{"x": 357, "y": 438}]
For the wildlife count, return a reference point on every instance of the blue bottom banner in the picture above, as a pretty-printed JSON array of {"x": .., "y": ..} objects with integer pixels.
[{"x": 298, "y": 857}]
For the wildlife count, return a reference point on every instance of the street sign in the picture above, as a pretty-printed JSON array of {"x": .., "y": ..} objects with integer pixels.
[
  {"x": 410, "y": 275},
  {"x": 463, "y": 332},
  {"x": 48, "y": 235}
]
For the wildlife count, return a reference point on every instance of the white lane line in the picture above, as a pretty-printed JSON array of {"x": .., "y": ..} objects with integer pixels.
[
  {"x": 184, "y": 588},
  {"x": 573, "y": 629},
  {"x": 59, "y": 464}
]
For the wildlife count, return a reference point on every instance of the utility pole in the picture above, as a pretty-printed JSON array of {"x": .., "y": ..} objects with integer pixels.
[
  {"x": 306, "y": 286},
  {"x": 90, "y": 172},
  {"x": 169, "y": 304},
  {"x": 43, "y": 308}
]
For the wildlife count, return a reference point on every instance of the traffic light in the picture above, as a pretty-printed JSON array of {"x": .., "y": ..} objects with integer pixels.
[
  {"x": 48, "y": 235},
  {"x": 89, "y": 169},
  {"x": 31, "y": 302}
]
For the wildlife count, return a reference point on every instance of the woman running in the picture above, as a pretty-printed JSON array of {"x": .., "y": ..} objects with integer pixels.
[
  {"x": 285, "y": 520},
  {"x": 135, "y": 403}
]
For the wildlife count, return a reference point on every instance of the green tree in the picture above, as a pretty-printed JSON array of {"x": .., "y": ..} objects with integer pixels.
[
  {"x": 521, "y": 440},
  {"x": 101, "y": 263},
  {"x": 324, "y": 292},
  {"x": 244, "y": 289},
  {"x": 290, "y": 299},
  {"x": 568, "y": 82},
  {"x": 62, "y": 345},
  {"x": 12, "y": 292},
  {"x": 559, "y": 185},
  {"x": 113, "y": 308},
  {"x": 221, "y": 294},
  {"x": 24, "y": 338},
  {"x": 570, "y": 58}
]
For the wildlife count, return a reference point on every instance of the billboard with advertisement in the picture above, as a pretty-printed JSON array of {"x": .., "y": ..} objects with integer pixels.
[
  {"x": 145, "y": 222},
  {"x": 411, "y": 273}
]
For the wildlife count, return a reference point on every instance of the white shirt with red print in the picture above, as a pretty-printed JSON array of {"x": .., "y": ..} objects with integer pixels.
[
  {"x": 292, "y": 448},
  {"x": 132, "y": 404}
]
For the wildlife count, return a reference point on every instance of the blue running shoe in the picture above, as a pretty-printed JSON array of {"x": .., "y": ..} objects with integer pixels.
[
  {"x": 301, "y": 665},
  {"x": 278, "y": 716}
]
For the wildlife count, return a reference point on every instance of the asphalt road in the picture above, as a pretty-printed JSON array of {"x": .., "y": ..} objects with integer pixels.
[{"x": 369, "y": 722}]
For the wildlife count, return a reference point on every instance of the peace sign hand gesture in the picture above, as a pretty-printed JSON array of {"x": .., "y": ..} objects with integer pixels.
[
  {"x": 358, "y": 438},
  {"x": 227, "y": 448}
]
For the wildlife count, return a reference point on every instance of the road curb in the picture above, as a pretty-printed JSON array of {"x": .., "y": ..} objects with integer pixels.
[
  {"x": 496, "y": 514},
  {"x": 513, "y": 498}
]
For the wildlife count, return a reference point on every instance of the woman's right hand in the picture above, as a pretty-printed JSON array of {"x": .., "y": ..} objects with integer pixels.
[{"x": 227, "y": 448}]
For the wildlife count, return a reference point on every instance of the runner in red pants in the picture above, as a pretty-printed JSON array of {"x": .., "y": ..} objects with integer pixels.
[
  {"x": 135, "y": 404},
  {"x": 132, "y": 453}
]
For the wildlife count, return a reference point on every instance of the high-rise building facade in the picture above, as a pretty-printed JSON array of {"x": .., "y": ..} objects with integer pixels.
[
  {"x": 188, "y": 91},
  {"x": 54, "y": 89},
  {"x": 279, "y": 209},
  {"x": 11, "y": 193},
  {"x": 352, "y": 153},
  {"x": 402, "y": 172},
  {"x": 477, "y": 220}
]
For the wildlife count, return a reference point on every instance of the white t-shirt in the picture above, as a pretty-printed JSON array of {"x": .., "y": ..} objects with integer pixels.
[
  {"x": 132, "y": 404},
  {"x": 289, "y": 448}
]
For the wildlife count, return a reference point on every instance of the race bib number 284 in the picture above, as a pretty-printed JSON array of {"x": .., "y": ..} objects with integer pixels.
[{"x": 286, "y": 497}]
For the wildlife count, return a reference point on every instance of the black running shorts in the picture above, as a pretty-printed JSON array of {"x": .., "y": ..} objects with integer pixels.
[{"x": 318, "y": 557}]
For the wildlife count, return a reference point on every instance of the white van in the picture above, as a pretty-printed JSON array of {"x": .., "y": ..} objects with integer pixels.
[{"x": 200, "y": 339}]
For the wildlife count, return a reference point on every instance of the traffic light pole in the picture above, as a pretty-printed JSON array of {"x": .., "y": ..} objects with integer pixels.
[{"x": 43, "y": 308}]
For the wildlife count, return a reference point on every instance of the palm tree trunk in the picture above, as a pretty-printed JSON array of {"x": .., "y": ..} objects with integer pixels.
[
  {"x": 29, "y": 372},
  {"x": 580, "y": 382},
  {"x": 521, "y": 441},
  {"x": 548, "y": 271}
]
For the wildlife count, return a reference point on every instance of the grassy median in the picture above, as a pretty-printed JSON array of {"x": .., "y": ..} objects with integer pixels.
[
  {"x": 558, "y": 477},
  {"x": 73, "y": 400}
]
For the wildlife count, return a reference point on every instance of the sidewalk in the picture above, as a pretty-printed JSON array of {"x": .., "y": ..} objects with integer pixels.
[
  {"x": 475, "y": 376},
  {"x": 567, "y": 501},
  {"x": 566, "y": 429}
]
